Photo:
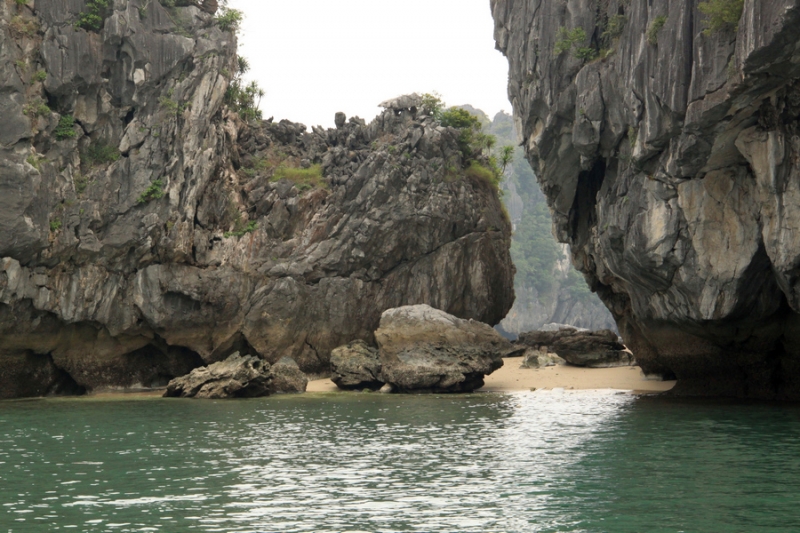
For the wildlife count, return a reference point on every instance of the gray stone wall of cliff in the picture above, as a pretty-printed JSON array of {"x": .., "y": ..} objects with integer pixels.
[
  {"x": 144, "y": 230},
  {"x": 669, "y": 157}
]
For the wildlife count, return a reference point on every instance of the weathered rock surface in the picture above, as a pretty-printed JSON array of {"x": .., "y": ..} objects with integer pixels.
[
  {"x": 356, "y": 366},
  {"x": 425, "y": 349},
  {"x": 671, "y": 169},
  {"x": 536, "y": 358},
  {"x": 580, "y": 347},
  {"x": 156, "y": 234},
  {"x": 238, "y": 376},
  {"x": 287, "y": 377}
]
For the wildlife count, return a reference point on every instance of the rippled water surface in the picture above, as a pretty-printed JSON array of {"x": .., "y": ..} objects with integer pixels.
[{"x": 527, "y": 462}]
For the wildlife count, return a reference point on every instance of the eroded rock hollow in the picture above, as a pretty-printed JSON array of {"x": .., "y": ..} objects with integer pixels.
[
  {"x": 669, "y": 149},
  {"x": 146, "y": 230}
]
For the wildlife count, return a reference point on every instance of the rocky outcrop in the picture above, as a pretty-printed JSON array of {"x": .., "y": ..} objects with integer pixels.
[
  {"x": 238, "y": 376},
  {"x": 670, "y": 165},
  {"x": 146, "y": 230},
  {"x": 580, "y": 347},
  {"x": 356, "y": 366},
  {"x": 425, "y": 349},
  {"x": 287, "y": 377}
]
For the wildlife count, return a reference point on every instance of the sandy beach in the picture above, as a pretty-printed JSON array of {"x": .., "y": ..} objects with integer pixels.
[{"x": 513, "y": 378}]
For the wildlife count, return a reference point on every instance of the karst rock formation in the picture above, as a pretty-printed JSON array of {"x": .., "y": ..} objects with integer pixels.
[
  {"x": 146, "y": 229},
  {"x": 668, "y": 146}
]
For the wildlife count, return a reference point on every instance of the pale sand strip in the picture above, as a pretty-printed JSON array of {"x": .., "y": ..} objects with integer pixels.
[{"x": 513, "y": 378}]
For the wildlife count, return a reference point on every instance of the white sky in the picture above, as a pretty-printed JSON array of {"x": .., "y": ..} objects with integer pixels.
[{"x": 317, "y": 57}]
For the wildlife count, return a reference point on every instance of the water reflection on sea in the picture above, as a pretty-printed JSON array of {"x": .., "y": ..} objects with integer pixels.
[{"x": 550, "y": 461}]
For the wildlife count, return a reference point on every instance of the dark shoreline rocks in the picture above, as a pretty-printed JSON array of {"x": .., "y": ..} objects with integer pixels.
[{"x": 580, "y": 347}]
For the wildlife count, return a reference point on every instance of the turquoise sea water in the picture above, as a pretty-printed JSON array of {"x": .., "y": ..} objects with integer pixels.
[{"x": 524, "y": 462}]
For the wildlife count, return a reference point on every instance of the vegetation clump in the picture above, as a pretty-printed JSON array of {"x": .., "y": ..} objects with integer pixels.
[
  {"x": 614, "y": 27},
  {"x": 303, "y": 178},
  {"x": 94, "y": 15},
  {"x": 100, "y": 153},
  {"x": 55, "y": 225},
  {"x": 229, "y": 19},
  {"x": 65, "y": 128},
  {"x": 249, "y": 228},
  {"x": 243, "y": 98},
  {"x": 723, "y": 15},
  {"x": 655, "y": 27},
  {"x": 153, "y": 192}
]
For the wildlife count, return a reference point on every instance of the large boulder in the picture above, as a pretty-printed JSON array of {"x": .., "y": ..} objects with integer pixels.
[
  {"x": 356, "y": 366},
  {"x": 580, "y": 347},
  {"x": 287, "y": 377},
  {"x": 238, "y": 376},
  {"x": 425, "y": 349}
]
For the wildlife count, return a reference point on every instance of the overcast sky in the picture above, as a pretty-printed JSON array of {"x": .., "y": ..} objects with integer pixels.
[{"x": 317, "y": 57}]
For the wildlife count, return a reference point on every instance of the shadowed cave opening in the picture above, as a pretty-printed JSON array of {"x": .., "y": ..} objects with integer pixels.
[{"x": 583, "y": 215}]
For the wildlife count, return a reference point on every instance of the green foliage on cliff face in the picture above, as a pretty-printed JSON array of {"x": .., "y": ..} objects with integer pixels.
[
  {"x": 723, "y": 15},
  {"x": 615, "y": 26},
  {"x": 567, "y": 39},
  {"x": 153, "y": 192},
  {"x": 244, "y": 98},
  {"x": 229, "y": 19},
  {"x": 94, "y": 15},
  {"x": 655, "y": 27},
  {"x": 482, "y": 172},
  {"x": 65, "y": 128},
  {"x": 100, "y": 153},
  {"x": 433, "y": 104},
  {"x": 303, "y": 178}
]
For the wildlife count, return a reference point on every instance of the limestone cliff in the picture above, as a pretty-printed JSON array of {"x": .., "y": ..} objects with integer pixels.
[
  {"x": 145, "y": 229},
  {"x": 669, "y": 151}
]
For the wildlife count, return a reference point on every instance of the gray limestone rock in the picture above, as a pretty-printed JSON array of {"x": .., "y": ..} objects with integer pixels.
[
  {"x": 356, "y": 366},
  {"x": 425, "y": 349},
  {"x": 146, "y": 229},
  {"x": 670, "y": 167},
  {"x": 238, "y": 376},
  {"x": 287, "y": 377},
  {"x": 579, "y": 347}
]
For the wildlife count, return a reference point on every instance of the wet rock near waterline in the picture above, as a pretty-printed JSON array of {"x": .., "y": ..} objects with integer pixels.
[
  {"x": 238, "y": 376},
  {"x": 580, "y": 347},
  {"x": 425, "y": 349},
  {"x": 356, "y": 366}
]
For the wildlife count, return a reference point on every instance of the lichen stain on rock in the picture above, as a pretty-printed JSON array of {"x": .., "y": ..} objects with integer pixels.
[
  {"x": 671, "y": 166},
  {"x": 146, "y": 230}
]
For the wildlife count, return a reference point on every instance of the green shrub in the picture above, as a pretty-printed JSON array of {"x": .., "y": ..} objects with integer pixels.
[
  {"x": 303, "y": 178},
  {"x": 65, "y": 128},
  {"x": 481, "y": 172},
  {"x": 567, "y": 39},
  {"x": 94, "y": 15},
  {"x": 55, "y": 225},
  {"x": 723, "y": 15},
  {"x": 40, "y": 75},
  {"x": 615, "y": 26},
  {"x": 37, "y": 108},
  {"x": 432, "y": 103},
  {"x": 153, "y": 192},
  {"x": 229, "y": 19},
  {"x": 100, "y": 153},
  {"x": 250, "y": 228},
  {"x": 655, "y": 27},
  {"x": 455, "y": 117},
  {"x": 243, "y": 98},
  {"x": 36, "y": 161},
  {"x": 585, "y": 53}
]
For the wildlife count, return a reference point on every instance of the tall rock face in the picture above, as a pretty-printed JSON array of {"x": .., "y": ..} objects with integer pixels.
[
  {"x": 670, "y": 157},
  {"x": 146, "y": 230}
]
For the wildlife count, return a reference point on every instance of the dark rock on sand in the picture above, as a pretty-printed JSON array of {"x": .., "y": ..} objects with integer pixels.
[{"x": 356, "y": 366}]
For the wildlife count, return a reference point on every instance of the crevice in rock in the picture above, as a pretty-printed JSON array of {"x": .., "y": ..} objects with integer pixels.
[{"x": 583, "y": 214}]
